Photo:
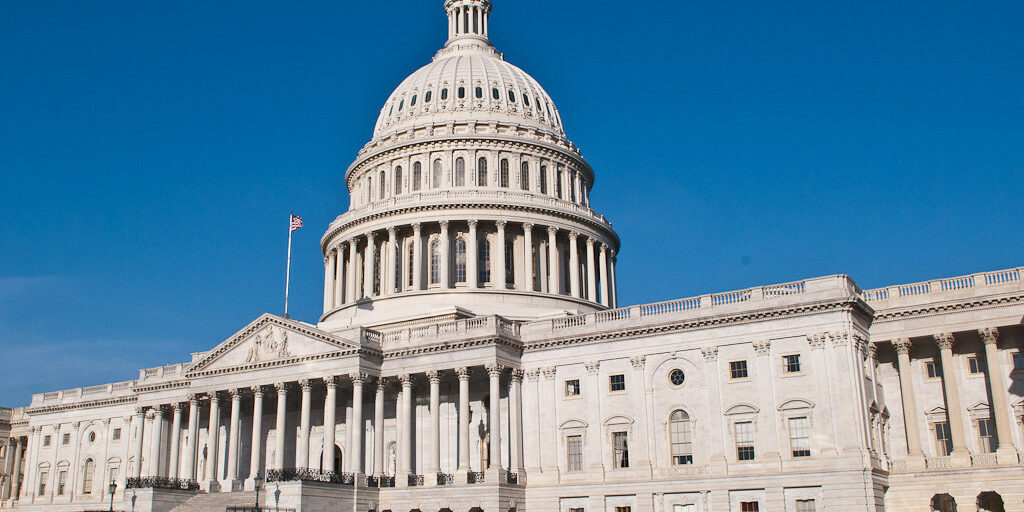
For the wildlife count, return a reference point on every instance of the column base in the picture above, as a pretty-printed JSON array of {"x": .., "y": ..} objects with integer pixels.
[
  {"x": 249, "y": 485},
  {"x": 495, "y": 476},
  {"x": 521, "y": 473},
  {"x": 211, "y": 486},
  {"x": 230, "y": 485},
  {"x": 430, "y": 479},
  {"x": 402, "y": 480},
  {"x": 462, "y": 477},
  {"x": 1007, "y": 456},
  {"x": 960, "y": 459}
]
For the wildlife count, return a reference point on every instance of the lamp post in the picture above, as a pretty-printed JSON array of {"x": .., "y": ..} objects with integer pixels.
[{"x": 113, "y": 489}]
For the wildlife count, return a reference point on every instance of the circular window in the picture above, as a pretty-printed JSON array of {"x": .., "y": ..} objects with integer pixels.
[
  {"x": 676, "y": 377},
  {"x": 92, "y": 437}
]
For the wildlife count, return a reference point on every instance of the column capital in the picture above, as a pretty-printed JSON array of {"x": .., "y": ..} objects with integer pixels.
[
  {"x": 462, "y": 372},
  {"x": 637, "y": 361},
  {"x": 552, "y": 231},
  {"x": 549, "y": 372},
  {"x": 257, "y": 391},
  {"x": 214, "y": 397},
  {"x": 472, "y": 223},
  {"x": 194, "y": 398},
  {"x": 358, "y": 377},
  {"x": 494, "y": 369},
  {"x": 176, "y": 407},
  {"x": 817, "y": 340},
  {"x": 517, "y": 374},
  {"x": 500, "y": 223},
  {"x": 382, "y": 382},
  {"x": 902, "y": 345},
  {"x": 433, "y": 376},
  {"x": 281, "y": 387},
  {"x": 370, "y": 236},
  {"x": 391, "y": 231},
  {"x": 236, "y": 393},
  {"x": 444, "y": 225},
  {"x": 762, "y": 347},
  {"x": 527, "y": 226},
  {"x": 331, "y": 381},
  {"x": 417, "y": 227},
  {"x": 604, "y": 247},
  {"x": 592, "y": 367},
  {"x": 944, "y": 340},
  {"x": 872, "y": 350},
  {"x": 406, "y": 380},
  {"x": 590, "y": 242},
  {"x": 533, "y": 374},
  {"x": 710, "y": 353},
  {"x": 140, "y": 411},
  {"x": 573, "y": 235},
  {"x": 305, "y": 384},
  {"x": 990, "y": 335}
]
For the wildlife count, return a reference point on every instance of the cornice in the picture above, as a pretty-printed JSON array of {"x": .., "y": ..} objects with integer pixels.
[
  {"x": 887, "y": 315},
  {"x": 457, "y": 345},
  {"x": 849, "y": 304},
  {"x": 261, "y": 365},
  {"x": 92, "y": 404},
  {"x": 333, "y": 232}
]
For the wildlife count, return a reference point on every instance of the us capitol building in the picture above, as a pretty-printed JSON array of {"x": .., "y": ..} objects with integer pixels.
[{"x": 472, "y": 357}]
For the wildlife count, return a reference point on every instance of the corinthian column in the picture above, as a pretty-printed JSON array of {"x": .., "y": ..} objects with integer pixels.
[
  {"x": 330, "y": 404},
  {"x": 357, "y": 422},
  {"x": 236, "y": 413},
  {"x": 604, "y": 276},
  {"x": 212, "y": 442},
  {"x": 417, "y": 254},
  {"x": 472, "y": 275},
  {"x": 574, "y": 265},
  {"x": 494, "y": 429},
  {"x": 368, "y": 271},
  {"x": 405, "y": 457},
  {"x": 1006, "y": 454},
  {"x": 956, "y": 421},
  {"x": 591, "y": 272},
  {"x": 302, "y": 443},
  {"x": 350, "y": 277},
  {"x": 528, "y": 259},
  {"x": 516, "y": 423},
  {"x": 256, "y": 452},
  {"x": 463, "y": 373},
  {"x": 915, "y": 456},
  {"x": 552, "y": 260},
  {"x": 155, "y": 441},
  {"x": 378, "y": 428},
  {"x": 445, "y": 256},
  {"x": 339, "y": 276},
  {"x": 388, "y": 287},
  {"x": 189, "y": 471},
  {"x": 434, "y": 459},
  {"x": 172, "y": 463},
  {"x": 282, "y": 404},
  {"x": 329, "y": 272},
  {"x": 499, "y": 281}
]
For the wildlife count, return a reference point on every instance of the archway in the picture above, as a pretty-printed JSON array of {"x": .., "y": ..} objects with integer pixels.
[
  {"x": 943, "y": 503},
  {"x": 990, "y": 502}
]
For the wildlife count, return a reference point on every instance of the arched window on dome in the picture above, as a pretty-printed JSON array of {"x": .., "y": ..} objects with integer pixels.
[
  {"x": 503, "y": 173},
  {"x": 511, "y": 96},
  {"x": 444, "y": 93},
  {"x": 572, "y": 185},
  {"x": 377, "y": 268},
  {"x": 481, "y": 172},
  {"x": 412, "y": 103},
  {"x": 435, "y": 180},
  {"x": 539, "y": 110},
  {"x": 462, "y": 92},
  {"x": 382, "y": 185},
  {"x": 410, "y": 263},
  {"x": 435, "y": 262},
  {"x": 510, "y": 277},
  {"x": 398, "y": 180},
  {"x": 479, "y": 92},
  {"x": 558, "y": 182},
  {"x": 417, "y": 175},
  {"x": 526, "y": 100},
  {"x": 484, "y": 263},
  {"x": 400, "y": 105},
  {"x": 460, "y": 172},
  {"x": 369, "y": 189},
  {"x": 426, "y": 97},
  {"x": 524, "y": 176},
  {"x": 460, "y": 260},
  {"x": 543, "y": 179},
  {"x": 680, "y": 434},
  {"x": 495, "y": 94}
]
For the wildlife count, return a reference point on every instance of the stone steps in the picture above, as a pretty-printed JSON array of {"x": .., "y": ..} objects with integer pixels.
[{"x": 218, "y": 501}]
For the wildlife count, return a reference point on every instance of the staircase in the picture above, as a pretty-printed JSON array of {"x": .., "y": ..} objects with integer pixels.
[{"x": 218, "y": 501}]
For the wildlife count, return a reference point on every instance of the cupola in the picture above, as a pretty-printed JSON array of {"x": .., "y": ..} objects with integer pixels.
[{"x": 467, "y": 20}]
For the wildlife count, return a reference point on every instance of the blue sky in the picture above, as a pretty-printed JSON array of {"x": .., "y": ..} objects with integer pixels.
[{"x": 150, "y": 151}]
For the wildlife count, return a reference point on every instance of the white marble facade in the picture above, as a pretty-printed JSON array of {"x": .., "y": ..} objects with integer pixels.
[{"x": 472, "y": 355}]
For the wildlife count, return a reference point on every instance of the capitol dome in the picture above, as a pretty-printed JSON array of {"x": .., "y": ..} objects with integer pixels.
[{"x": 468, "y": 200}]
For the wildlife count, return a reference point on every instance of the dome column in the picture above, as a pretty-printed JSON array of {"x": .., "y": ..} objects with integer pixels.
[
  {"x": 614, "y": 299},
  {"x": 445, "y": 256},
  {"x": 574, "y": 266},
  {"x": 350, "y": 277},
  {"x": 591, "y": 272},
  {"x": 472, "y": 275},
  {"x": 368, "y": 265},
  {"x": 527, "y": 282},
  {"x": 552, "y": 260},
  {"x": 329, "y": 273},
  {"x": 389, "y": 287},
  {"x": 339, "y": 275},
  {"x": 417, "y": 251},
  {"x": 604, "y": 275},
  {"x": 499, "y": 280}
]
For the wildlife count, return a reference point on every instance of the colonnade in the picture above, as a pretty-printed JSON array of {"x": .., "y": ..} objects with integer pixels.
[
  {"x": 354, "y": 461},
  {"x": 448, "y": 255},
  {"x": 999, "y": 407},
  {"x": 15, "y": 452}
]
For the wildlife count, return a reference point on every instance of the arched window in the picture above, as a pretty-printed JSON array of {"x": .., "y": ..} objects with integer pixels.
[
  {"x": 444, "y": 93},
  {"x": 484, "y": 265},
  {"x": 509, "y": 258},
  {"x": 524, "y": 176},
  {"x": 369, "y": 189},
  {"x": 460, "y": 171},
  {"x": 572, "y": 186},
  {"x": 377, "y": 269},
  {"x": 526, "y": 100},
  {"x": 558, "y": 183},
  {"x": 400, "y": 105},
  {"x": 412, "y": 262},
  {"x": 481, "y": 172},
  {"x": 680, "y": 434},
  {"x": 503, "y": 174},
  {"x": 543, "y": 179},
  {"x": 462, "y": 92},
  {"x": 413, "y": 102},
  {"x": 383, "y": 184},
  {"x": 479, "y": 93},
  {"x": 435, "y": 262},
  {"x": 460, "y": 260},
  {"x": 398, "y": 180},
  {"x": 511, "y": 96},
  {"x": 426, "y": 97},
  {"x": 417, "y": 175},
  {"x": 87, "y": 474},
  {"x": 495, "y": 94},
  {"x": 435, "y": 181}
]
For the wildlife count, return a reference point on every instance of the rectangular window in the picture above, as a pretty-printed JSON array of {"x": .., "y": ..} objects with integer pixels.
[
  {"x": 117, "y": 434},
  {"x": 805, "y": 506},
  {"x": 791, "y": 363},
  {"x": 574, "y": 449},
  {"x": 943, "y": 439},
  {"x": 572, "y": 387},
  {"x": 744, "y": 431},
  {"x": 1018, "y": 360},
  {"x": 684, "y": 508},
  {"x": 114, "y": 471},
  {"x": 66, "y": 439},
  {"x": 738, "y": 369},
  {"x": 974, "y": 363},
  {"x": 748, "y": 506},
  {"x": 46, "y": 440},
  {"x": 800, "y": 436},
  {"x": 934, "y": 369},
  {"x": 576, "y": 509},
  {"x": 62, "y": 480},
  {"x": 620, "y": 449},
  {"x": 43, "y": 477},
  {"x": 986, "y": 432},
  {"x": 617, "y": 382},
  {"x": 622, "y": 509}
]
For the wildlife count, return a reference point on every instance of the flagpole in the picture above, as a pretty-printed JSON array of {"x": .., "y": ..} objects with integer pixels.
[{"x": 288, "y": 270}]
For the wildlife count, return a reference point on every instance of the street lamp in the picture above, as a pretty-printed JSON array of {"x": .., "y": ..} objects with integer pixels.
[{"x": 113, "y": 489}]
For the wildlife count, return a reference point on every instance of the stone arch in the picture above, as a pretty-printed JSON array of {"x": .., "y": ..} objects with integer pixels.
[
  {"x": 990, "y": 501},
  {"x": 943, "y": 503}
]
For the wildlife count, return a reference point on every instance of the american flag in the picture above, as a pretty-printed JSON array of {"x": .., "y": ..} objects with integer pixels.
[{"x": 296, "y": 223}]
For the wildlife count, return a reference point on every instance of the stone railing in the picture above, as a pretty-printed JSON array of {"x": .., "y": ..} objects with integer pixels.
[
  {"x": 983, "y": 460},
  {"x": 475, "y": 477},
  {"x": 445, "y": 479},
  {"x": 156, "y": 482},
  {"x": 112, "y": 390},
  {"x": 943, "y": 289},
  {"x": 940, "y": 462},
  {"x": 415, "y": 480},
  {"x": 5, "y": 415},
  {"x": 450, "y": 330},
  {"x": 750, "y": 298},
  {"x": 310, "y": 475}
]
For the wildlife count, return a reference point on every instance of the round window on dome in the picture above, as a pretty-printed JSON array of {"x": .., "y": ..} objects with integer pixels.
[
  {"x": 495, "y": 94},
  {"x": 676, "y": 377},
  {"x": 426, "y": 97},
  {"x": 511, "y": 96}
]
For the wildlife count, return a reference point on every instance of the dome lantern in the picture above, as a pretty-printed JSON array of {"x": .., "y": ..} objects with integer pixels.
[{"x": 467, "y": 20}]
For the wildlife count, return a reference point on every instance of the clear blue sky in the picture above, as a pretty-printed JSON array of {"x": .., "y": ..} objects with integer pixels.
[{"x": 150, "y": 151}]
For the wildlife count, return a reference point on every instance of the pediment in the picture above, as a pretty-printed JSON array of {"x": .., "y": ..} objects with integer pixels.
[{"x": 268, "y": 341}]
